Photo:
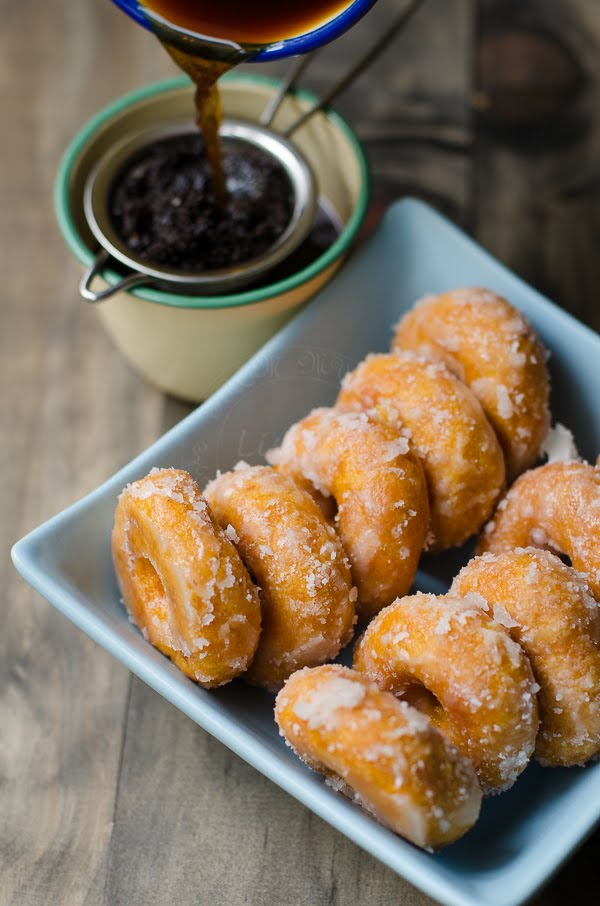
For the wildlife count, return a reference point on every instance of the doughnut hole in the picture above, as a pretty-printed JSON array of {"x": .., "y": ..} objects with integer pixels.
[
  {"x": 147, "y": 577},
  {"x": 418, "y": 696},
  {"x": 327, "y": 504}
]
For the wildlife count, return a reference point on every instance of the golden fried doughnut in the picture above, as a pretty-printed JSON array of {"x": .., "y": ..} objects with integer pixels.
[
  {"x": 182, "y": 580},
  {"x": 380, "y": 491},
  {"x": 297, "y": 559},
  {"x": 491, "y": 346},
  {"x": 555, "y": 506},
  {"x": 380, "y": 751},
  {"x": 455, "y": 663},
  {"x": 547, "y": 608},
  {"x": 459, "y": 451}
]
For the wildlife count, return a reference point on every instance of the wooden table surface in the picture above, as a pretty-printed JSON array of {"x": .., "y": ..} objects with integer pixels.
[{"x": 108, "y": 795}]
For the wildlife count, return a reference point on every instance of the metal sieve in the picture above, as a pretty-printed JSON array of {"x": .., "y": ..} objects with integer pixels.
[
  {"x": 96, "y": 206},
  {"x": 258, "y": 135}
]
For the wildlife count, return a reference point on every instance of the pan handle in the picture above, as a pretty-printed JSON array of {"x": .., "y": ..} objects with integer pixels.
[{"x": 91, "y": 295}]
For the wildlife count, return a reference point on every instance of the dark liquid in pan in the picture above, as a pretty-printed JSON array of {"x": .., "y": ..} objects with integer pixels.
[{"x": 247, "y": 21}]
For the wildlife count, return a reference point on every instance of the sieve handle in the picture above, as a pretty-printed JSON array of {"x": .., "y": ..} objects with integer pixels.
[
  {"x": 394, "y": 28},
  {"x": 91, "y": 295},
  {"x": 289, "y": 82}
]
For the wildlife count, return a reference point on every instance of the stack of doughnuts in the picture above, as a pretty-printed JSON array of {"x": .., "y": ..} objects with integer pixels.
[
  {"x": 248, "y": 579},
  {"x": 461, "y": 457},
  {"x": 379, "y": 491},
  {"x": 490, "y": 346},
  {"x": 265, "y": 573},
  {"x": 467, "y": 386},
  {"x": 548, "y": 609}
]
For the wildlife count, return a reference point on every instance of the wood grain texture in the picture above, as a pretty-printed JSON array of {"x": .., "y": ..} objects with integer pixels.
[
  {"x": 109, "y": 795},
  {"x": 63, "y": 700},
  {"x": 537, "y": 202}
]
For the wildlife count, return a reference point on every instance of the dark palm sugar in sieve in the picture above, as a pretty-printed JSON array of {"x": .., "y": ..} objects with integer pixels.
[{"x": 164, "y": 209}]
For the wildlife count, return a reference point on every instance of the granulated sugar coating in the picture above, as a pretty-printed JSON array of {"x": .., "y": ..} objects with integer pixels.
[
  {"x": 556, "y": 621},
  {"x": 560, "y": 445},
  {"x": 379, "y": 488},
  {"x": 380, "y": 751},
  {"x": 490, "y": 346},
  {"x": 182, "y": 580},
  {"x": 556, "y": 506},
  {"x": 298, "y": 561},
  {"x": 482, "y": 692},
  {"x": 449, "y": 432}
]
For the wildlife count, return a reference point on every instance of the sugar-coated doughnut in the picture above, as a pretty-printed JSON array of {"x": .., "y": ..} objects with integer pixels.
[
  {"x": 547, "y": 608},
  {"x": 491, "y": 346},
  {"x": 448, "y": 657},
  {"x": 298, "y": 561},
  {"x": 379, "y": 487},
  {"x": 182, "y": 580},
  {"x": 380, "y": 751},
  {"x": 556, "y": 506},
  {"x": 459, "y": 451}
]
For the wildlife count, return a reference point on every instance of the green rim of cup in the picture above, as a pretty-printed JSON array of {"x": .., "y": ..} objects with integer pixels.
[{"x": 86, "y": 257}]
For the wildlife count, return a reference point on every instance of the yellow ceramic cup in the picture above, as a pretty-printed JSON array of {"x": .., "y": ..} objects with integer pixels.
[{"x": 190, "y": 345}]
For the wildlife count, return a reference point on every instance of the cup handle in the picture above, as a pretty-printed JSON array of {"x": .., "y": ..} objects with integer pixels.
[{"x": 91, "y": 295}]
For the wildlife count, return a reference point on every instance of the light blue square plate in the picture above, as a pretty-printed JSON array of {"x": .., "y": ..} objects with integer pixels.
[{"x": 523, "y": 835}]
